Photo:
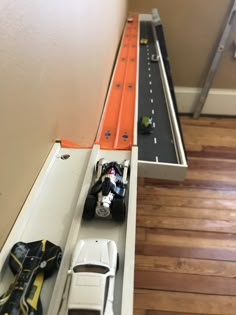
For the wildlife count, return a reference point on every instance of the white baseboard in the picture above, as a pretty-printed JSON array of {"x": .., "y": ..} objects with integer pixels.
[{"x": 219, "y": 101}]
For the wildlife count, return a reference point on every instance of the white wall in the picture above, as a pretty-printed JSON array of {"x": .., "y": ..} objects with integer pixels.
[{"x": 55, "y": 62}]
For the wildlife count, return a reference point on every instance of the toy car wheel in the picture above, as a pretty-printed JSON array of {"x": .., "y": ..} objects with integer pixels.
[
  {"x": 90, "y": 207},
  {"x": 53, "y": 264},
  {"x": 96, "y": 166},
  {"x": 118, "y": 208},
  {"x": 103, "y": 165}
]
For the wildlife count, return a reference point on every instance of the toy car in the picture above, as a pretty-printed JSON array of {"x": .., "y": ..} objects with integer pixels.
[
  {"x": 146, "y": 125},
  {"x": 31, "y": 263},
  {"x": 143, "y": 41},
  {"x": 106, "y": 197},
  {"x": 130, "y": 19},
  {"x": 155, "y": 58},
  {"x": 93, "y": 268}
]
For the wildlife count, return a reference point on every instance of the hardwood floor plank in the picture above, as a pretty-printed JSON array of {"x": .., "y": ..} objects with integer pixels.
[
  {"x": 187, "y": 224},
  {"x": 185, "y": 265},
  {"x": 203, "y": 203},
  {"x": 148, "y": 312},
  {"x": 207, "y": 121},
  {"x": 209, "y": 135},
  {"x": 151, "y": 312},
  {"x": 186, "y": 212},
  {"x": 196, "y": 184},
  {"x": 184, "y": 302},
  {"x": 224, "y": 238},
  {"x": 184, "y": 283},
  {"x": 140, "y": 234},
  {"x": 140, "y": 312},
  {"x": 183, "y": 240},
  {"x": 207, "y": 164},
  {"x": 142, "y": 248},
  {"x": 181, "y": 190},
  {"x": 208, "y": 151},
  {"x": 212, "y": 179},
  {"x": 204, "y": 183},
  {"x": 210, "y": 184}
]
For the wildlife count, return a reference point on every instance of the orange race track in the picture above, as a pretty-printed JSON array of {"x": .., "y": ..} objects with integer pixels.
[{"x": 116, "y": 131}]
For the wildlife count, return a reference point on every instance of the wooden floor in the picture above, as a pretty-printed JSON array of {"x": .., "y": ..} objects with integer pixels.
[{"x": 186, "y": 232}]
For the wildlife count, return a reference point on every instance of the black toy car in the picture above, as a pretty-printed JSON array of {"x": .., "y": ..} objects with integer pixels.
[
  {"x": 31, "y": 263},
  {"x": 106, "y": 198}
]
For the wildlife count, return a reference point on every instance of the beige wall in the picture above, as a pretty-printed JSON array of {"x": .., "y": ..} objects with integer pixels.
[
  {"x": 192, "y": 30},
  {"x": 55, "y": 61}
]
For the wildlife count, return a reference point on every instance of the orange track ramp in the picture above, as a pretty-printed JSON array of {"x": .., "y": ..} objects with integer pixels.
[{"x": 116, "y": 130}]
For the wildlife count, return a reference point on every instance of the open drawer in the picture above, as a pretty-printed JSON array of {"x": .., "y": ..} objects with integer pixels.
[{"x": 161, "y": 149}]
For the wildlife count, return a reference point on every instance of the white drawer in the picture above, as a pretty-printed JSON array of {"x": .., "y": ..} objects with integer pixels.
[{"x": 161, "y": 150}]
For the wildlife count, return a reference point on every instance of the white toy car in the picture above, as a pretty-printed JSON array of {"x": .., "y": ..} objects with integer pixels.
[{"x": 93, "y": 268}]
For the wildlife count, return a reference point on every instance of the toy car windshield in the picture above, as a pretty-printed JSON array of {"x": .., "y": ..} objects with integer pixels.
[
  {"x": 91, "y": 268},
  {"x": 84, "y": 312}
]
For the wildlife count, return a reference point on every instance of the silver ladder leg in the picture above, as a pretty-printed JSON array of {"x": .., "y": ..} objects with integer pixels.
[{"x": 215, "y": 63}]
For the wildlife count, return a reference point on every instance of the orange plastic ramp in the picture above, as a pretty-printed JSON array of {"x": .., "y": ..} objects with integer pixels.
[
  {"x": 65, "y": 143},
  {"x": 116, "y": 130}
]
